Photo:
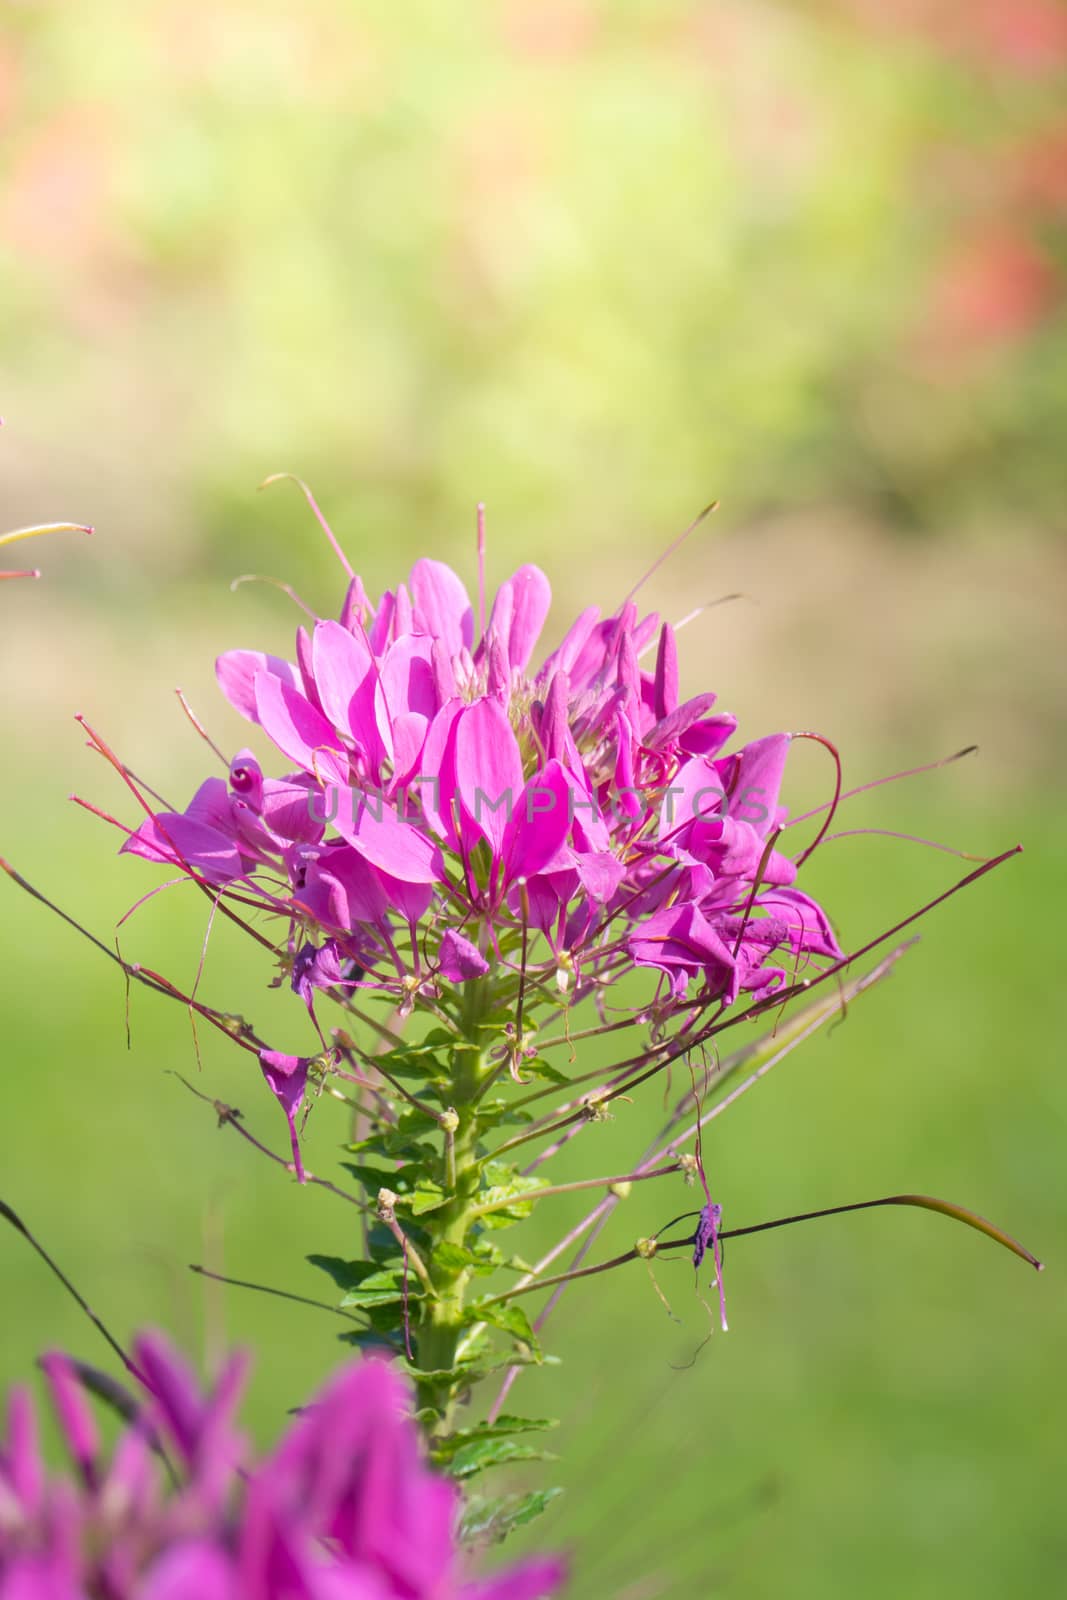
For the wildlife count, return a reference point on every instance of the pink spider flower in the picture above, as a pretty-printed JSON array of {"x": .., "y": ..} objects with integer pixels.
[{"x": 441, "y": 798}]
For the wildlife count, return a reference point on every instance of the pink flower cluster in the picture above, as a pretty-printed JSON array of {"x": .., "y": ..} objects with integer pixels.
[
  {"x": 345, "y": 1508},
  {"x": 442, "y": 798}
]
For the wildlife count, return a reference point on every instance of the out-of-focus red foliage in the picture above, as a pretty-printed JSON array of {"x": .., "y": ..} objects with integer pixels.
[
  {"x": 1028, "y": 36},
  {"x": 993, "y": 288}
]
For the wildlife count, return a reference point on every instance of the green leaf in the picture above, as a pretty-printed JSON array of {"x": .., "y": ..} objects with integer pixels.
[
  {"x": 427, "y": 1197},
  {"x": 364, "y": 1283},
  {"x": 492, "y": 1520},
  {"x": 509, "y": 1318},
  {"x": 384, "y": 1248},
  {"x": 397, "y": 1143},
  {"x": 345, "y": 1274},
  {"x": 505, "y": 1427},
  {"x": 480, "y": 1454},
  {"x": 505, "y": 1188},
  {"x": 454, "y": 1257},
  {"x": 379, "y": 1289},
  {"x": 373, "y": 1341},
  {"x": 402, "y": 1180},
  {"x": 493, "y": 1112},
  {"x": 538, "y": 1067}
]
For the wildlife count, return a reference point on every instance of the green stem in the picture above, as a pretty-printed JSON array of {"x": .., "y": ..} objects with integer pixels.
[{"x": 440, "y": 1334}]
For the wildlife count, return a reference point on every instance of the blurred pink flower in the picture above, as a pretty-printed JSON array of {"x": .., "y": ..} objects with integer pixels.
[{"x": 344, "y": 1509}]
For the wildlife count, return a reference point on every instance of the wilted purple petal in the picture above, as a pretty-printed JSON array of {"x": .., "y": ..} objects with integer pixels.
[
  {"x": 287, "y": 1078},
  {"x": 459, "y": 959},
  {"x": 706, "y": 1229}
]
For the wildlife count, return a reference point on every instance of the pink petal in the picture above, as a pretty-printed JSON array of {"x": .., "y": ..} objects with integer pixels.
[
  {"x": 488, "y": 771},
  {"x": 442, "y": 608},
  {"x": 236, "y": 673},
  {"x": 666, "y": 696},
  {"x": 347, "y": 681},
  {"x": 534, "y": 838},
  {"x": 74, "y": 1415},
  {"x": 173, "y": 838},
  {"x": 519, "y": 612},
  {"x": 298, "y": 730},
  {"x": 574, "y": 642},
  {"x": 379, "y": 835}
]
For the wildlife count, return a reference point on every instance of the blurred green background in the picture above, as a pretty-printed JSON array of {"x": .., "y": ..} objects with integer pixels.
[{"x": 596, "y": 264}]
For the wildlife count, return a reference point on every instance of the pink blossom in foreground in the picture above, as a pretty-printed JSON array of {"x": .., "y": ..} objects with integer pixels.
[{"x": 344, "y": 1509}]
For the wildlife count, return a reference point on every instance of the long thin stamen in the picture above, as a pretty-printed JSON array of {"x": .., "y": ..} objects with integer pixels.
[
  {"x": 480, "y": 514},
  {"x": 674, "y": 545},
  {"x": 281, "y": 477},
  {"x": 893, "y": 777},
  {"x": 198, "y": 725},
  {"x": 835, "y": 799},
  {"x": 275, "y": 583},
  {"x": 908, "y": 838}
]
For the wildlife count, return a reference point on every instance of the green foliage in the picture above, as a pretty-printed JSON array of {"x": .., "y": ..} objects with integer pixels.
[
  {"x": 510, "y": 1318},
  {"x": 481, "y": 1454},
  {"x": 505, "y": 1187},
  {"x": 491, "y": 1521},
  {"x": 365, "y": 1285},
  {"x": 505, "y": 1427}
]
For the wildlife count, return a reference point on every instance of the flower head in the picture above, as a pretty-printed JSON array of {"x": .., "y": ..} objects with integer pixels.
[{"x": 442, "y": 803}]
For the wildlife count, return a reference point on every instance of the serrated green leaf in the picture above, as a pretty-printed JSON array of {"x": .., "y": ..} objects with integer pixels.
[
  {"x": 505, "y": 1427},
  {"x": 440, "y": 1038},
  {"x": 486, "y": 1257},
  {"x": 509, "y": 1318},
  {"x": 380, "y": 1289},
  {"x": 384, "y": 1248},
  {"x": 454, "y": 1257},
  {"x": 365, "y": 1284},
  {"x": 538, "y": 1067},
  {"x": 397, "y": 1144},
  {"x": 493, "y": 1520},
  {"x": 373, "y": 1341},
  {"x": 426, "y": 1197},
  {"x": 508, "y": 1198},
  {"x": 481, "y": 1454},
  {"x": 345, "y": 1274},
  {"x": 492, "y": 1113}
]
